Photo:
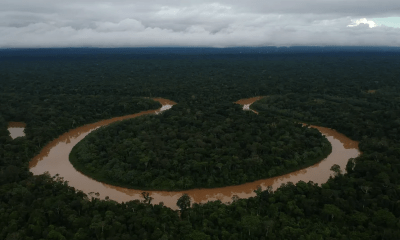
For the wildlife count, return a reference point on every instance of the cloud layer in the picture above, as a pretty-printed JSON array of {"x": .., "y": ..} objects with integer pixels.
[{"x": 47, "y": 23}]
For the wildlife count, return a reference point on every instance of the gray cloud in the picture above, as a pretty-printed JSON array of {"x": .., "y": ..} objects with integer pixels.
[{"x": 46, "y": 23}]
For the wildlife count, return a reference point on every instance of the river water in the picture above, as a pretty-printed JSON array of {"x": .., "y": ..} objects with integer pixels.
[
  {"x": 16, "y": 129},
  {"x": 54, "y": 158}
]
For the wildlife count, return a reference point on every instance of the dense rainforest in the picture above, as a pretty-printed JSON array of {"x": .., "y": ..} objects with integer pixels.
[
  {"x": 356, "y": 93},
  {"x": 208, "y": 148}
]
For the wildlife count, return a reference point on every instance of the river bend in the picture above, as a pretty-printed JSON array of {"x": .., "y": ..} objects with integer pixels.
[{"x": 54, "y": 158}]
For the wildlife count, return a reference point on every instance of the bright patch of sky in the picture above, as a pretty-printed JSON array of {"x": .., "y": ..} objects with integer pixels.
[{"x": 389, "y": 21}]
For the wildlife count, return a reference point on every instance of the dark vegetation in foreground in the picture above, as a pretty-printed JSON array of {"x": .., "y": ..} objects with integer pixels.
[
  {"x": 210, "y": 148},
  {"x": 329, "y": 90}
]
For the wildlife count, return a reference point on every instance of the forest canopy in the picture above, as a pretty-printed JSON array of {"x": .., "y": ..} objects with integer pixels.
[
  {"x": 356, "y": 93},
  {"x": 197, "y": 146}
]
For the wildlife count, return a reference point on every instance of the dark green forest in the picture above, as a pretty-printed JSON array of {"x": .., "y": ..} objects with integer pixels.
[
  {"x": 210, "y": 148},
  {"x": 53, "y": 94}
]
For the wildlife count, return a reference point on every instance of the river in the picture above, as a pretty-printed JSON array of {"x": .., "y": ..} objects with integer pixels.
[
  {"x": 54, "y": 158},
  {"x": 16, "y": 129}
]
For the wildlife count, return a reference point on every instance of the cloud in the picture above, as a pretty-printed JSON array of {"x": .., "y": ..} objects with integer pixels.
[
  {"x": 131, "y": 25},
  {"x": 357, "y": 22},
  {"x": 45, "y": 23}
]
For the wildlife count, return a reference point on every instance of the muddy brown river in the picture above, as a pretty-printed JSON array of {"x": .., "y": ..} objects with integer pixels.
[
  {"x": 54, "y": 158},
  {"x": 16, "y": 129}
]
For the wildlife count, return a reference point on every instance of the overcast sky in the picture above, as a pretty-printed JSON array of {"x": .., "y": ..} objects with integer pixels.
[{"x": 203, "y": 23}]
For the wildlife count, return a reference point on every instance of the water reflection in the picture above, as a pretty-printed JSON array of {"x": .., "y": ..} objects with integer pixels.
[
  {"x": 54, "y": 159},
  {"x": 16, "y": 129}
]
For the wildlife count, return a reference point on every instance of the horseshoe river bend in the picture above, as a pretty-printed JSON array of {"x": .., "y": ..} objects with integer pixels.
[{"x": 54, "y": 159}]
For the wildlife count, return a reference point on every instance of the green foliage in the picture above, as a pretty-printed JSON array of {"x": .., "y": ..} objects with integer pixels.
[
  {"x": 329, "y": 90},
  {"x": 183, "y": 202},
  {"x": 208, "y": 147}
]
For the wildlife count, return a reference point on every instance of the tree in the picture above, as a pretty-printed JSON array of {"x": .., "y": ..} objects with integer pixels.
[
  {"x": 145, "y": 160},
  {"x": 197, "y": 235},
  {"x": 183, "y": 202},
  {"x": 336, "y": 169},
  {"x": 251, "y": 223},
  {"x": 350, "y": 165},
  {"x": 385, "y": 218},
  {"x": 147, "y": 198},
  {"x": 267, "y": 226},
  {"x": 332, "y": 211},
  {"x": 258, "y": 190}
]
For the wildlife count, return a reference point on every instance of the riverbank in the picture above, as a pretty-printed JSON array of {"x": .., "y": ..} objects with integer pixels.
[
  {"x": 104, "y": 179},
  {"x": 54, "y": 159}
]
